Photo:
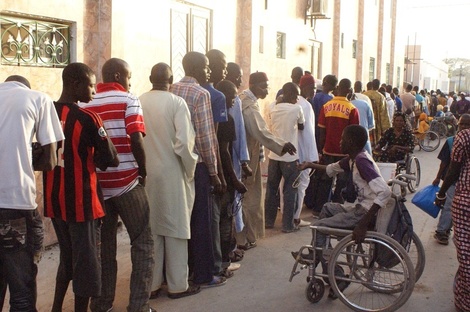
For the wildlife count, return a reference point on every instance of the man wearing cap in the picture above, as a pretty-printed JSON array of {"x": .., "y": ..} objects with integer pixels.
[{"x": 256, "y": 134}]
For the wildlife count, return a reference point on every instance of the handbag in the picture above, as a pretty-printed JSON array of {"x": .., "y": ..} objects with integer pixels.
[{"x": 424, "y": 199}]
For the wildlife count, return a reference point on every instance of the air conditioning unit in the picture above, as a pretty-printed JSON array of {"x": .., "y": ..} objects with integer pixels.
[{"x": 318, "y": 7}]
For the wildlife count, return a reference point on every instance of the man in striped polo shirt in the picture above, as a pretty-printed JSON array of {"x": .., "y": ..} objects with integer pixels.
[
  {"x": 72, "y": 196},
  {"x": 123, "y": 188}
]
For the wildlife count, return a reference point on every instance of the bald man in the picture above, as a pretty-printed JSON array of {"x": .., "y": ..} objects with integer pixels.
[
  {"x": 170, "y": 139},
  {"x": 123, "y": 187}
]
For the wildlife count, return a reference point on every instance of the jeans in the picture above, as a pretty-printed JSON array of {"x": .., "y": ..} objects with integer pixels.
[
  {"x": 445, "y": 220},
  {"x": 276, "y": 171},
  {"x": 17, "y": 268}
]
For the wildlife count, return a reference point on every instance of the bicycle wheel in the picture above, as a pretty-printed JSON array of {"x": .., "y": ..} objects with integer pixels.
[
  {"x": 429, "y": 141},
  {"x": 413, "y": 168}
]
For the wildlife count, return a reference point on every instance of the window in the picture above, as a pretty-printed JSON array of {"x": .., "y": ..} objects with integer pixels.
[
  {"x": 281, "y": 45},
  {"x": 371, "y": 69},
  {"x": 387, "y": 73},
  {"x": 354, "y": 49},
  {"x": 261, "y": 40},
  {"x": 398, "y": 77},
  {"x": 34, "y": 42}
]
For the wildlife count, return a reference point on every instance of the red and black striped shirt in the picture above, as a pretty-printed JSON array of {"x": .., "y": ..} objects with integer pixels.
[{"x": 72, "y": 191}]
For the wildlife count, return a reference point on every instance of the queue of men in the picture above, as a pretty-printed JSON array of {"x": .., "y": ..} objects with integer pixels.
[{"x": 180, "y": 166}]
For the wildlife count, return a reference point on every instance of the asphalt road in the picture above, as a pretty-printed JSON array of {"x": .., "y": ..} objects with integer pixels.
[{"x": 262, "y": 282}]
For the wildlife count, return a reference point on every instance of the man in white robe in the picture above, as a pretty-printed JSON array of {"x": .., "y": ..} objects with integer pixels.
[{"x": 171, "y": 164}]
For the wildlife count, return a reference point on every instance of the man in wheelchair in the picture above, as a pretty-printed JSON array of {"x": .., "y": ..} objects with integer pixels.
[{"x": 365, "y": 195}]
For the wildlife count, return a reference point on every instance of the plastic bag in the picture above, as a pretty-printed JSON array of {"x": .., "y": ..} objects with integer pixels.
[{"x": 424, "y": 199}]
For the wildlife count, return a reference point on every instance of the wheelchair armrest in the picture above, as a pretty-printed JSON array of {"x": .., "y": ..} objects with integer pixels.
[{"x": 331, "y": 231}]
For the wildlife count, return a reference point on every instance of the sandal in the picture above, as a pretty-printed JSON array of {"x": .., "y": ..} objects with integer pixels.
[
  {"x": 247, "y": 246},
  {"x": 154, "y": 294},
  {"x": 192, "y": 290},
  {"x": 226, "y": 273},
  {"x": 236, "y": 255},
  {"x": 216, "y": 281}
]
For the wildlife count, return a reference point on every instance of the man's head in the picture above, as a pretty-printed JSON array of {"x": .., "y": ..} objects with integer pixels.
[
  {"x": 464, "y": 122},
  {"x": 19, "y": 78},
  {"x": 307, "y": 86},
  {"x": 389, "y": 88},
  {"x": 196, "y": 65},
  {"x": 369, "y": 85},
  {"x": 409, "y": 88},
  {"x": 234, "y": 74},
  {"x": 375, "y": 84},
  {"x": 358, "y": 86},
  {"x": 353, "y": 139},
  {"x": 395, "y": 91},
  {"x": 290, "y": 92},
  {"x": 296, "y": 74},
  {"x": 416, "y": 89},
  {"x": 229, "y": 89},
  {"x": 344, "y": 87},
  {"x": 79, "y": 82},
  {"x": 117, "y": 70},
  {"x": 161, "y": 76},
  {"x": 329, "y": 83},
  {"x": 259, "y": 84},
  {"x": 462, "y": 95},
  {"x": 217, "y": 64}
]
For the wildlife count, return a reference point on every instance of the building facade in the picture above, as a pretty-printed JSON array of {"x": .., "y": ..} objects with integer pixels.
[{"x": 353, "y": 39}]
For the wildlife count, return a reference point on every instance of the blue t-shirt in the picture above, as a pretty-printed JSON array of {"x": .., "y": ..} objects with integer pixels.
[
  {"x": 219, "y": 109},
  {"x": 319, "y": 100}
]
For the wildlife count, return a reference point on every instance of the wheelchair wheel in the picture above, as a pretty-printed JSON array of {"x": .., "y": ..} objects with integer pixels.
[
  {"x": 413, "y": 168},
  {"x": 440, "y": 129},
  {"x": 417, "y": 255},
  {"x": 451, "y": 130},
  {"x": 429, "y": 141},
  {"x": 315, "y": 290},
  {"x": 372, "y": 287}
]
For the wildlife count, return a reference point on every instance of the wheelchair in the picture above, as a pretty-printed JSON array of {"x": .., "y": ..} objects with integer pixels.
[
  {"x": 428, "y": 141},
  {"x": 408, "y": 171},
  {"x": 370, "y": 285}
]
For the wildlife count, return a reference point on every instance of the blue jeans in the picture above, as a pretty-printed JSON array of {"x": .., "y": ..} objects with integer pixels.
[
  {"x": 445, "y": 220},
  {"x": 276, "y": 171}
]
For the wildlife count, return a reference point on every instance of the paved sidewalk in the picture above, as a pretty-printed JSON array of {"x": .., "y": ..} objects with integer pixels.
[{"x": 262, "y": 282}]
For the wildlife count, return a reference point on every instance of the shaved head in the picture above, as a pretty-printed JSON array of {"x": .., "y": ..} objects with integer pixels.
[
  {"x": 117, "y": 70},
  {"x": 161, "y": 73},
  {"x": 19, "y": 78}
]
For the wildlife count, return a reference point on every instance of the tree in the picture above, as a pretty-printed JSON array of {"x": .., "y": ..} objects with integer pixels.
[{"x": 459, "y": 67}]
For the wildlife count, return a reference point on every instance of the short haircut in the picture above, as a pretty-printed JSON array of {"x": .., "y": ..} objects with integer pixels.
[
  {"x": 19, "y": 78},
  {"x": 375, "y": 84},
  {"x": 76, "y": 72},
  {"x": 226, "y": 86},
  {"x": 359, "y": 135},
  {"x": 331, "y": 80},
  {"x": 409, "y": 87}
]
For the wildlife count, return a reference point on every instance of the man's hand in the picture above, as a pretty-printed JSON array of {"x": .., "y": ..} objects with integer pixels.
[
  {"x": 247, "y": 172},
  {"x": 289, "y": 148},
  {"x": 436, "y": 181},
  {"x": 359, "y": 232},
  {"x": 439, "y": 202},
  {"x": 216, "y": 184},
  {"x": 240, "y": 187}
]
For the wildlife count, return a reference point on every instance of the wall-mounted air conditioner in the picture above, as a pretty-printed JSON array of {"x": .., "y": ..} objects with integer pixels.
[{"x": 318, "y": 7}]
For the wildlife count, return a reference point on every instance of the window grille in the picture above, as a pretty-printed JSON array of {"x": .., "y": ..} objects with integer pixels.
[{"x": 33, "y": 42}]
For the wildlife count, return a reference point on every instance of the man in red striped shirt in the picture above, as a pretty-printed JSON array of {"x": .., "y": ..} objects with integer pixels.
[
  {"x": 123, "y": 188},
  {"x": 72, "y": 196}
]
